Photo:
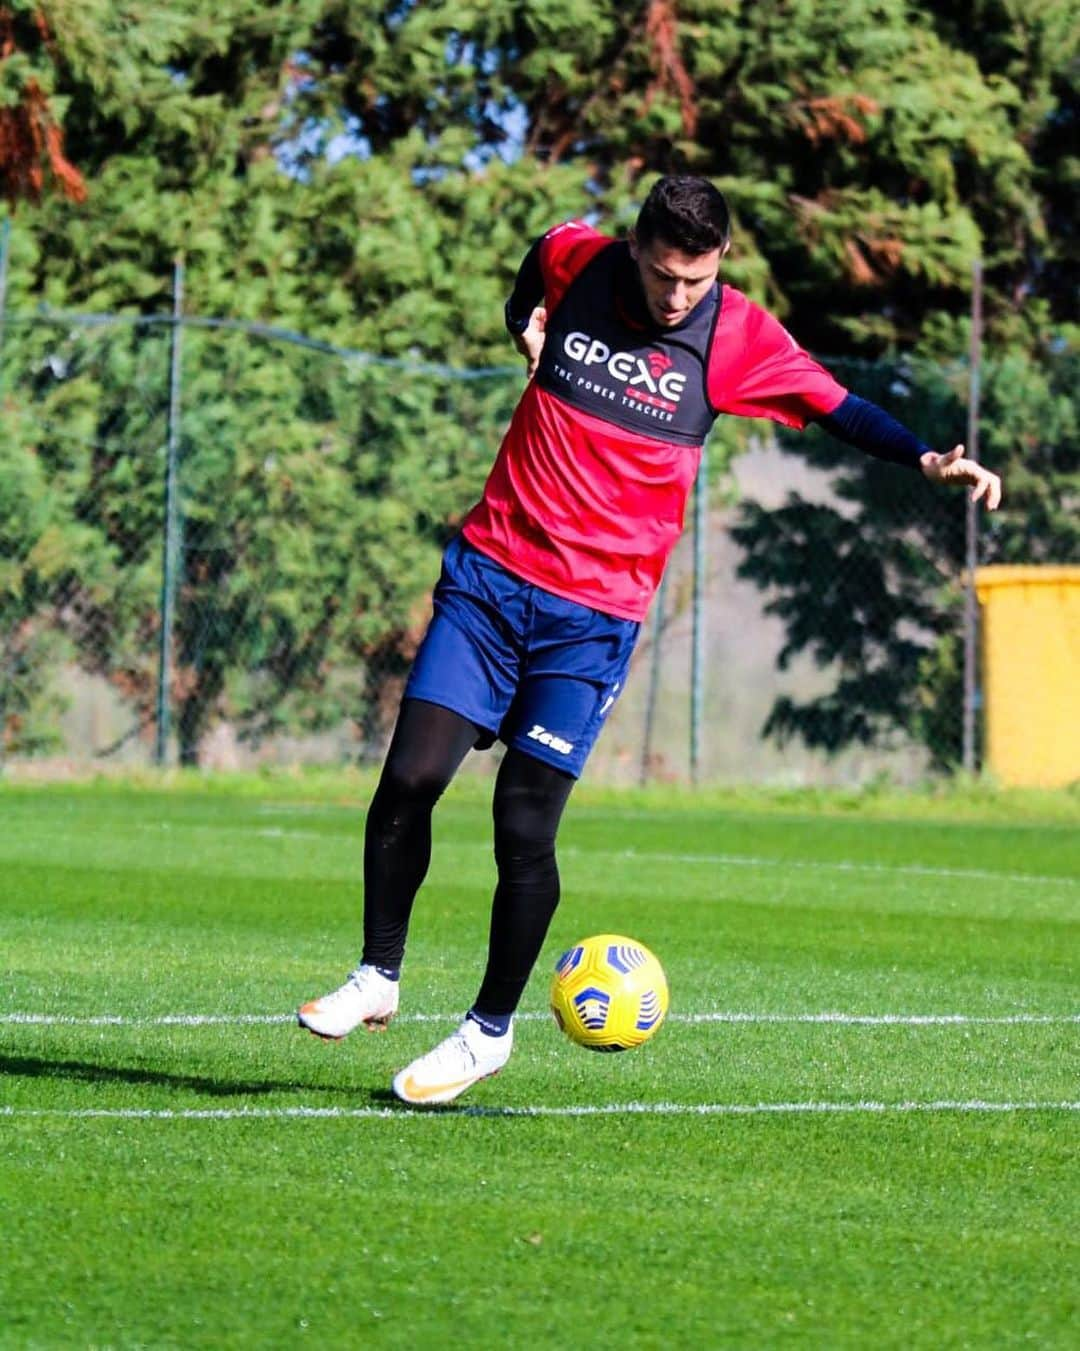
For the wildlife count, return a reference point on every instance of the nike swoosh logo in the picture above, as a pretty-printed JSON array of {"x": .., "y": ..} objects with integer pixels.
[{"x": 414, "y": 1093}]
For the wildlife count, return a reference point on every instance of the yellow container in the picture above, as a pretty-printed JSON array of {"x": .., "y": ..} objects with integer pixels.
[{"x": 1031, "y": 672}]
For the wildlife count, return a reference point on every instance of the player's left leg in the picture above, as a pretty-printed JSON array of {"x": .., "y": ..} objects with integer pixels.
[
  {"x": 529, "y": 800},
  {"x": 575, "y": 667},
  {"x": 528, "y": 806}
]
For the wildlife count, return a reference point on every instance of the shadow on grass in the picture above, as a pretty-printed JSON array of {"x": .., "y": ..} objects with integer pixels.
[
  {"x": 383, "y": 1097},
  {"x": 34, "y": 1067}
]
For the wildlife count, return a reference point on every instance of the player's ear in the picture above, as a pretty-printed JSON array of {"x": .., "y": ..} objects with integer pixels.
[
  {"x": 725, "y": 250},
  {"x": 631, "y": 239}
]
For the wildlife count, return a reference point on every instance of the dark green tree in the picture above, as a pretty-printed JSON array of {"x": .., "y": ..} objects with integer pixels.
[
  {"x": 370, "y": 174},
  {"x": 315, "y": 490}
]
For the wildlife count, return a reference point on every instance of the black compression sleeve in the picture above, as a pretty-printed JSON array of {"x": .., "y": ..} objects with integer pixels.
[
  {"x": 528, "y": 292},
  {"x": 862, "y": 424}
]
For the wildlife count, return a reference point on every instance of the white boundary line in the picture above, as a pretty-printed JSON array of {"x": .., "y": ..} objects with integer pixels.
[
  {"x": 830, "y": 865},
  {"x": 757, "y": 861},
  {"x": 970, "y": 1106},
  {"x": 723, "y": 860},
  {"x": 829, "y": 1018}
]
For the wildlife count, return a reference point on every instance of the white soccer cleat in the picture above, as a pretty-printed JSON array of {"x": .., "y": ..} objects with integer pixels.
[
  {"x": 366, "y": 997},
  {"x": 463, "y": 1059}
]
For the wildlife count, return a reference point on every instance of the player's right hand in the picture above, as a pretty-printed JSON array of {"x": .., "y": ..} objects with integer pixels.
[{"x": 531, "y": 343}]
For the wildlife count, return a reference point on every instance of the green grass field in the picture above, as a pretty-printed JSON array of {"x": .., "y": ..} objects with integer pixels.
[{"x": 859, "y": 1125}]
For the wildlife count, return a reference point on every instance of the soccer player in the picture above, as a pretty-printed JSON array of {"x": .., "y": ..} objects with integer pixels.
[{"x": 634, "y": 347}]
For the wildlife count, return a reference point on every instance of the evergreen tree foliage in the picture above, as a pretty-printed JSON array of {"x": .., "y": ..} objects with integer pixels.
[{"x": 369, "y": 174}]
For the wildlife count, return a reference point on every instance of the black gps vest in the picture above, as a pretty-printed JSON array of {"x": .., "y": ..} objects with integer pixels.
[{"x": 649, "y": 380}]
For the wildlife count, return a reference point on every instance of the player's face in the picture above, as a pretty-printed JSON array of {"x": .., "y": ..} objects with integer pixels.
[{"x": 673, "y": 281}]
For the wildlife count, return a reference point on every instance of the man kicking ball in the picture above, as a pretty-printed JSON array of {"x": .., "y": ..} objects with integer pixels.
[{"x": 634, "y": 348}]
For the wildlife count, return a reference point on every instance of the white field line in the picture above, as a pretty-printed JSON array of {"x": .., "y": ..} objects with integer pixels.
[
  {"x": 831, "y": 1018},
  {"x": 840, "y": 865},
  {"x": 969, "y": 1106},
  {"x": 721, "y": 860}
]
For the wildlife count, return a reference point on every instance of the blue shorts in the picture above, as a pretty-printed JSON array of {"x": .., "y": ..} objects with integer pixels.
[{"x": 538, "y": 672}]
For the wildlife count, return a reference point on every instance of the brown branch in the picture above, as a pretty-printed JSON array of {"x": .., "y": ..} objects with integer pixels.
[
  {"x": 671, "y": 75},
  {"x": 835, "y": 117},
  {"x": 29, "y": 134}
]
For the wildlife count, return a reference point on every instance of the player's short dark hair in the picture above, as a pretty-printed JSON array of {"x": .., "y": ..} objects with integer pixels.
[{"x": 686, "y": 213}]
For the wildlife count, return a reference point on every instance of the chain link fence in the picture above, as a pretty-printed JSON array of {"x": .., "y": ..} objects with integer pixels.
[{"x": 218, "y": 541}]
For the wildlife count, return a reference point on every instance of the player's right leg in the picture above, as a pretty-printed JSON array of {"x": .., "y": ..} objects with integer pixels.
[
  {"x": 428, "y": 745},
  {"x": 368, "y": 997}
]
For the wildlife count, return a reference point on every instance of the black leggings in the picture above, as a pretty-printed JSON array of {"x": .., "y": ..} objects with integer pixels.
[{"x": 428, "y": 746}]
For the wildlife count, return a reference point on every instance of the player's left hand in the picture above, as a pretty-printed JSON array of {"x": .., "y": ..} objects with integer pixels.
[{"x": 952, "y": 468}]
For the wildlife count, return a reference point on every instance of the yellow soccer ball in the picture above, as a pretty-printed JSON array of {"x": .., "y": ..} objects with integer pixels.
[{"x": 609, "y": 993}]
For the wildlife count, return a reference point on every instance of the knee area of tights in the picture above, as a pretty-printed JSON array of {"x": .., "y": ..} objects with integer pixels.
[
  {"x": 520, "y": 852},
  {"x": 404, "y": 790}
]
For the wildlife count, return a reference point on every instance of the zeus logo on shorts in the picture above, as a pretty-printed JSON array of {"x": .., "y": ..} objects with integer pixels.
[
  {"x": 653, "y": 372},
  {"x": 546, "y": 738}
]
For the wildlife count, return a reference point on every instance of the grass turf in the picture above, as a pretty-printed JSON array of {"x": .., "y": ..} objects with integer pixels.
[{"x": 883, "y": 1203}]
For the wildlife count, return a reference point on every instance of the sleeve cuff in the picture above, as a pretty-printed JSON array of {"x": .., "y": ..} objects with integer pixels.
[{"x": 515, "y": 325}]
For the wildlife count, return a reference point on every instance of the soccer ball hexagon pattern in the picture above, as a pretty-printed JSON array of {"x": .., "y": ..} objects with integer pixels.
[{"x": 609, "y": 993}]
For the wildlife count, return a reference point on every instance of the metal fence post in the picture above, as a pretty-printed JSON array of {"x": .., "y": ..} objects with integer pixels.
[
  {"x": 697, "y": 658},
  {"x": 5, "y": 243},
  {"x": 971, "y": 529},
  {"x": 654, "y": 680},
  {"x": 171, "y": 540}
]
